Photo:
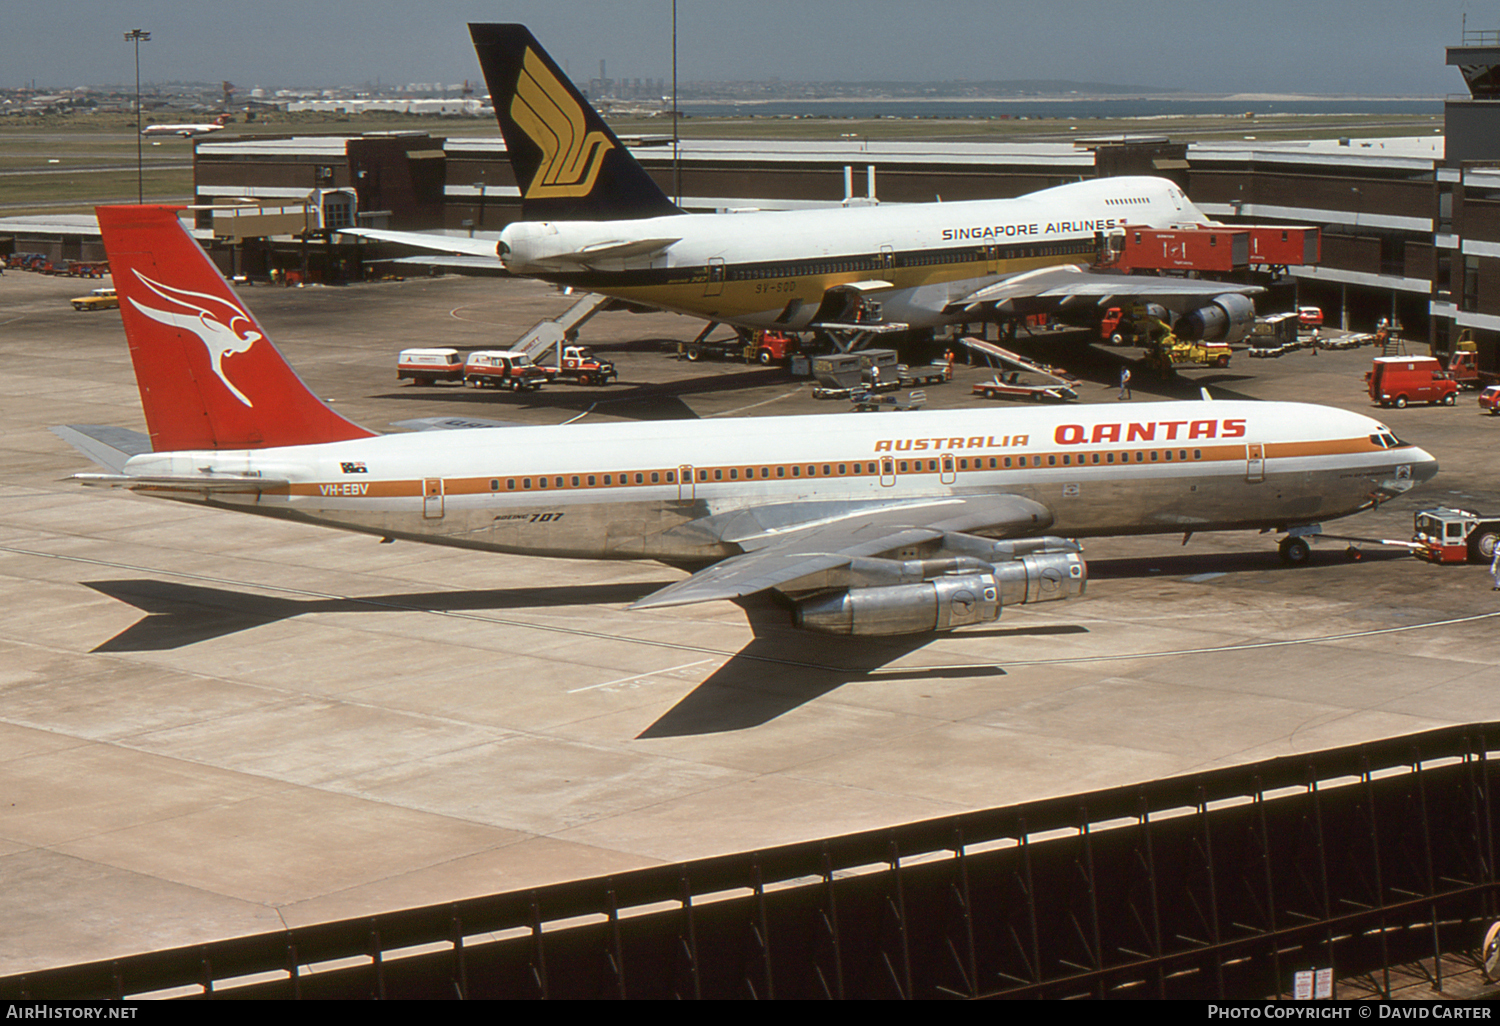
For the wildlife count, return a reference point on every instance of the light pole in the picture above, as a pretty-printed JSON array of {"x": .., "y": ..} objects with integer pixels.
[
  {"x": 676, "y": 141},
  {"x": 138, "y": 37}
]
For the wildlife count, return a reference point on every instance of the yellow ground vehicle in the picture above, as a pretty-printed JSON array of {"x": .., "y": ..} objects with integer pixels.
[{"x": 99, "y": 299}]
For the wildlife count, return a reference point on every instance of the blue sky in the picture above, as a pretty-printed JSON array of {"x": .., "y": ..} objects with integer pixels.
[{"x": 1374, "y": 48}]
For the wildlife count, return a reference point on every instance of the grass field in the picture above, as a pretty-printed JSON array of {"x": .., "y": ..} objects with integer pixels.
[{"x": 67, "y": 163}]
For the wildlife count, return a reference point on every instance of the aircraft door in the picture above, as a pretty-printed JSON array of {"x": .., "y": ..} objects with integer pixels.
[
  {"x": 949, "y": 470},
  {"x": 716, "y": 276},
  {"x": 686, "y": 486},
  {"x": 432, "y": 498},
  {"x": 887, "y": 258},
  {"x": 1255, "y": 463},
  {"x": 887, "y": 471}
]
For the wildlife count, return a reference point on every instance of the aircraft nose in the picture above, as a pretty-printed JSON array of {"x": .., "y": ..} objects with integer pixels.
[{"x": 1425, "y": 468}]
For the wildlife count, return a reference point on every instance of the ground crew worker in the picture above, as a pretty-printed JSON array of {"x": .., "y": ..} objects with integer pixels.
[{"x": 1124, "y": 382}]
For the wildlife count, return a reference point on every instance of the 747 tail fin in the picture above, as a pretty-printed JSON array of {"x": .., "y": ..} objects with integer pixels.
[
  {"x": 569, "y": 165},
  {"x": 208, "y": 375}
]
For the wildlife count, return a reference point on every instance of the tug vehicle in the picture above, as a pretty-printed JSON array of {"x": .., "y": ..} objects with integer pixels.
[
  {"x": 582, "y": 367},
  {"x": 1444, "y": 535}
]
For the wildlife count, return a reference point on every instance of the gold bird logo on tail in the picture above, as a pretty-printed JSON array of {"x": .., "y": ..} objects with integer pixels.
[{"x": 571, "y": 154}]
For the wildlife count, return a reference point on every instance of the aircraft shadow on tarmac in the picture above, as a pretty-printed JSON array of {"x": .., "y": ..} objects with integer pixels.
[
  {"x": 185, "y": 614},
  {"x": 781, "y": 669},
  {"x": 784, "y": 668},
  {"x": 1189, "y": 563}
]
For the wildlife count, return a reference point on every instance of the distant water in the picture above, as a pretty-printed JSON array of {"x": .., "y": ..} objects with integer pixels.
[{"x": 1138, "y": 107}]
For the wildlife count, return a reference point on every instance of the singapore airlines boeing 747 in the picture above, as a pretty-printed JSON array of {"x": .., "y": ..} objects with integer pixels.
[
  {"x": 594, "y": 220},
  {"x": 870, "y": 524}
]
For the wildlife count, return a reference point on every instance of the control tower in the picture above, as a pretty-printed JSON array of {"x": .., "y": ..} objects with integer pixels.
[{"x": 1472, "y": 124}]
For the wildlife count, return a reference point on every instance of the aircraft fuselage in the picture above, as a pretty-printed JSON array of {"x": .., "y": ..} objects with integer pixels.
[
  {"x": 633, "y": 491},
  {"x": 772, "y": 269}
]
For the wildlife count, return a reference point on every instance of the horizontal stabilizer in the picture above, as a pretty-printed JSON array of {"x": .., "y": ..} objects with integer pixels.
[
  {"x": 470, "y": 265},
  {"x": 183, "y": 482},
  {"x": 601, "y": 251},
  {"x": 107, "y": 446}
]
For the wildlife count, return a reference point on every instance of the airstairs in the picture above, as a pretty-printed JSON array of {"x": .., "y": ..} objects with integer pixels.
[{"x": 549, "y": 333}]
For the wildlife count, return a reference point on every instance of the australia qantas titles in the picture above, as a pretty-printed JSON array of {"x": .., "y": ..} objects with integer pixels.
[{"x": 1078, "y": 434}]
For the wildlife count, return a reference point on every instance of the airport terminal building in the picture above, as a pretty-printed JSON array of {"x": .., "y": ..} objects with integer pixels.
[{"x": 1410, "y": 226}]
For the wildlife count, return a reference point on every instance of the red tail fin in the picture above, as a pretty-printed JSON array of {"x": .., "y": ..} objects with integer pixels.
[{"x": 209, "y": 377}]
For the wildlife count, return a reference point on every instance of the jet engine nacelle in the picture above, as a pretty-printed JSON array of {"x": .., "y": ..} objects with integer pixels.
[
  {"x": 1227, "y": 318},
  {"x": 936, "y": 605},
  {"x": 1043, "y": 577},
  {"x": 947, "y": 601}
]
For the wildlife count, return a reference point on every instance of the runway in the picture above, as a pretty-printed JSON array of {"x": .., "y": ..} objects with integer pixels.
[{"x": 213, "y": 725}]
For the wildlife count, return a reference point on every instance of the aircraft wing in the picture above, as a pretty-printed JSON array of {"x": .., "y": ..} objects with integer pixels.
[
  {"x": 1071, "y": 281},
  {"x": 789, "y": 542},
  {"x": 612, "y": 249}
]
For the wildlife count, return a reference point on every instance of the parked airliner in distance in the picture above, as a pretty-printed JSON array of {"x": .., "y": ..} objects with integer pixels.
[
  {"x": 869, "y": 524},
  {"x": 594, "y": 220},
  {"x": 187, "y": 131}
]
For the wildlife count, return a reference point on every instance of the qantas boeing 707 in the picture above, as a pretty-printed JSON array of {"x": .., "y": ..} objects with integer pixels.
[{"x": 869, "y": 524}]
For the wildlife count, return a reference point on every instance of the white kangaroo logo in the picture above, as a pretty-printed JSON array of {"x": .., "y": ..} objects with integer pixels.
[{"x": 218, "y": 338}]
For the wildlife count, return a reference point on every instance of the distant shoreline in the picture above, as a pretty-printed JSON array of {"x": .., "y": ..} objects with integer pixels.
[{"x": 1069, "y": 98}]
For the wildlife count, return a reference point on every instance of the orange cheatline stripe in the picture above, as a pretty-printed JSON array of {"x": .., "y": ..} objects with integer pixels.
[{"x": 945, "y": 463}]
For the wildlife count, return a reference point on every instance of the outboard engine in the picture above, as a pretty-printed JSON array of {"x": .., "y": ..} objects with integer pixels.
[
  {"x": 941, "y": 594},
  {"x": 1227, "y": 318}
]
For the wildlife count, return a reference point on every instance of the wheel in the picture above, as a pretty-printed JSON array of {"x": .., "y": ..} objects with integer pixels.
[
  {"x": 1222, "y": 361},
  {"x": 1483, "y": 545},
  {"x": 764, "y": 356},
  {"x": 1295, "y": 551},
  {"x": 694, "y": 354},
  {"x": 1117, "y": 339},
  {"x": 1400, "y": 402},
  {"x": 1450, "y": 399},
  {"x": 586, "y": 380}
]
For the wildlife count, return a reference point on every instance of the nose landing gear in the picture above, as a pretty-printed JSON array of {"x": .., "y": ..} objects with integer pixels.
[{"x": 1295, "y": 551}]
